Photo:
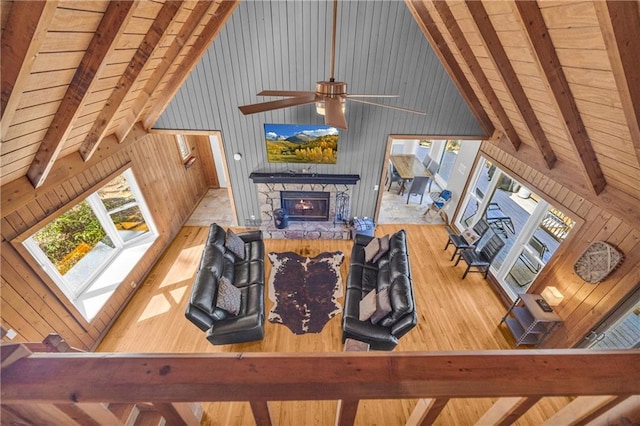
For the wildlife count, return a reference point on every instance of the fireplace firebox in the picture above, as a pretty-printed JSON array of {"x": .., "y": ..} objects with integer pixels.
[{"x": 305, "y": 205}]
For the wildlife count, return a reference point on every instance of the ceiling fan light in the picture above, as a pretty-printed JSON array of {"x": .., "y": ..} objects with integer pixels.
[{"x": 320, "y": 107}]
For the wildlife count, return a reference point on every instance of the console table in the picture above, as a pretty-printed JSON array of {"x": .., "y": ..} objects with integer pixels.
[{"x": 528, "y": 323}]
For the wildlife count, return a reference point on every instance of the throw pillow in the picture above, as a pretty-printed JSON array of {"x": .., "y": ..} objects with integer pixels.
[
  {"x": 234, "y": 244},
  {"x": 371, "y": 249},
  {"x": 229, "y": 296},
  {"x": 367, "y": 306},
  {"x": 384, "y": 247},
  {"x": 383, "y": 306}
]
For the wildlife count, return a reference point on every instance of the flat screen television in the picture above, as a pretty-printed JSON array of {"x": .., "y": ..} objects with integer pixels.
[{"x": 301, "y": 143}]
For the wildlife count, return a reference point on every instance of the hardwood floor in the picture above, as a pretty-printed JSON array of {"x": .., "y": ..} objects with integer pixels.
[{"x": 453, "y": 314}]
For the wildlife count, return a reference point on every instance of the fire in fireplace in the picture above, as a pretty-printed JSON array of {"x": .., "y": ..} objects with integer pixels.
[{"x": 305, "y": 205}]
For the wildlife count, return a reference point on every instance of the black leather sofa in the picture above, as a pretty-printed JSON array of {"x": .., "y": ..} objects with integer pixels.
[
  {"x": 246, "y": 274},
  {"x": 392, "y": 270}
]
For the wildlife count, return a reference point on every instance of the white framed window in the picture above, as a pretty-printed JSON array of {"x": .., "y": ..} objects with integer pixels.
[
  {"x": 531, "y": 228},
  {"x": 183, "y": 148},
  {"x": 89, "y": 249}
]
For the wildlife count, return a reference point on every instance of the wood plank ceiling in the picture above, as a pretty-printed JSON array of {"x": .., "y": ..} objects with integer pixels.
[{"x": 561, "y": 77}]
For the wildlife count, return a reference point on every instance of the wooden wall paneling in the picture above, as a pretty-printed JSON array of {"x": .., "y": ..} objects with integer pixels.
[
  {"x": 463, "y": 46},
  {"x": 154, "y": 35},
  {"x": 498, "y": 55},
  {"x": 205, "y": 156},
  {"x": 22, "y": 38},
  {"x": 116, "y": 16},
  {"x": 439, "y": 45}
]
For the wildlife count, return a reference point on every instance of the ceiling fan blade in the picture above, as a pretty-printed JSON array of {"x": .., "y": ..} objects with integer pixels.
[
  {"x": 281, "y": 103},
  {"x": 334, "y": 116},
  {"x": 284, "y": 93},
  {"x": 415, "y": 111},
  {"x": 372, "y": 96}
]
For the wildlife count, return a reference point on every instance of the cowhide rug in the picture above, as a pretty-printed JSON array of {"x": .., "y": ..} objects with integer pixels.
[{"x": 305, "y": 290}]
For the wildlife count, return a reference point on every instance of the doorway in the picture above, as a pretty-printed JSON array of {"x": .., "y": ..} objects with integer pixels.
[{"x": 620, "y": 330}]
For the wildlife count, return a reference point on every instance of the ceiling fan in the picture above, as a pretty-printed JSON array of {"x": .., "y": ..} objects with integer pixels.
[{"x": 330, "y": 96}]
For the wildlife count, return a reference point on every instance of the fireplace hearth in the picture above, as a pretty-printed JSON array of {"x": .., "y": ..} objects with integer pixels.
[{"x": 306, "y": 205}]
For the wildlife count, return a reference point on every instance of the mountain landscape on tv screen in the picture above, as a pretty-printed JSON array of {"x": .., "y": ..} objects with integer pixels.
[{"x": 295, "y": 143}]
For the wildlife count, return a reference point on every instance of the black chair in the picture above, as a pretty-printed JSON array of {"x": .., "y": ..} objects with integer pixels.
[
  {"x": 482, "y": 256},
  {"x": 460, "y": 243},
  {"x": 418, "y": 186},
  {"x": 392, "y": 176}
]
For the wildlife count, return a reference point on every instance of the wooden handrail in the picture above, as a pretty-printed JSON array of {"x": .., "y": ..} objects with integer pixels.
[{"x": 73, "y": 377}]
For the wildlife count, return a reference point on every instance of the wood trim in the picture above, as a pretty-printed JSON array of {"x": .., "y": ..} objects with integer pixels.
[
  {"x": 620, "y": 26},
  {"x": 21, "y": 41},
  {"x": 476, "y": 69},
  {"x": 261, "y": 413},
  {"x": 206, "y": 37},
  {"x": 284, "y": 376},
  {"x": 506, "y": 411},
  {"x": 156, "y": 33},
  {"x": 426, "y": 411},
  {"x": 583, "y": 409},
  {"x": 104, "y": 40},
  {"x": 19, "y": 192},
  {"x": 441, "y": 49},
  {"x": 178, "y": 47},
  {"x": 532, "y": 22},
  {"x": 503, "y": 65}
]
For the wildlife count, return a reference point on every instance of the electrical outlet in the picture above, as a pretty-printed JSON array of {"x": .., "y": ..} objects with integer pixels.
[
  {"x": 133, "y": 284},
  {"x": 11, "y": 334},
  {"x": 375, "y": 187}
]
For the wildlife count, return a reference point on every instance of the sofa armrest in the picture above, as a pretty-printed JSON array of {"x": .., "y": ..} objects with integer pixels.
[
  {"x": 250, "y": 236},
  {"x": 404, "y": 325},
  {"x": 362, "y": 240}
]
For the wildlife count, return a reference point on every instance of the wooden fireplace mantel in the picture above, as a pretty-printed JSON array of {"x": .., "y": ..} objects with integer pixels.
[{"x": 286, "y": 177}]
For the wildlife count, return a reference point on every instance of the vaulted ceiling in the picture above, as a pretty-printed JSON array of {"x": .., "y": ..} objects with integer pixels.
[{"x": 559, "y": 77}]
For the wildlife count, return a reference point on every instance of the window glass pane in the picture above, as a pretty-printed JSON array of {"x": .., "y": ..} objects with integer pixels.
[
  {"x": 116, "y": 193},
  {"x": 130, "y": 223},
  {"x": 76, "y": 244},
  {"x": 424, "y": 149},
  {"x": 448, "y": 158},
  {"x": 509, "y": 208}
]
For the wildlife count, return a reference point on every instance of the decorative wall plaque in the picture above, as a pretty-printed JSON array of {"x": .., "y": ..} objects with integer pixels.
[{"x": 597, "y": 262}]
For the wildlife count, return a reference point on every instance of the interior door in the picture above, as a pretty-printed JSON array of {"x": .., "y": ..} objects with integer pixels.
[{"x": 620, "y": 330}]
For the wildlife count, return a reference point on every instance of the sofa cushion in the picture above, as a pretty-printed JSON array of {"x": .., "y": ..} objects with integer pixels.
[
  {"x": 371, "y": 250},
  {"x": 384, "y": 248},
  {"x": 367, "y": 306},
  {"x": 383, "y": 306},
  {"x": 229, "y": 296},
  {"x": 234, "y": 244},
  {"x": 401, "y": 297}
]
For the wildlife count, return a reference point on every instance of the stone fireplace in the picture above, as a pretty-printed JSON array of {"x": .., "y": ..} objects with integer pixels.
[
  {"x": 318, "y": 205},
  {"x": 302, "y": 206}
]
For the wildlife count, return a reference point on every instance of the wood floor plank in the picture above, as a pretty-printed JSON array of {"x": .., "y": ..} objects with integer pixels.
[{"x": 453, "y": 314}]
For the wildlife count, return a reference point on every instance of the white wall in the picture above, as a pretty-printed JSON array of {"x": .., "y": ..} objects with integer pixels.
[
  {"x": 218, "y": 160},
  {"x": 461, "y": 169}
]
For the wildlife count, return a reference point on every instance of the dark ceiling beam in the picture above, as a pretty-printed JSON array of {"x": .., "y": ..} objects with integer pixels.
[
  {"x": 441, "y": 49},
  {"x": 502, "y": 64},
  {"x": 476, "y": 70},
  {"x": 177, "y": 48},
  {"x": 206, "y": 37},
  {"x": 115, "y": 18},
  {"x": 620, "y": 26},
  {"x": 156, "y": 32},
  {"x": 544, "y": 51},
  {"x": 21, "y": 41}
]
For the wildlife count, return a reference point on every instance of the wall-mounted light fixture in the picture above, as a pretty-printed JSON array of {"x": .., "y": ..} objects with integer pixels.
[{"x": 237, "y": 156}]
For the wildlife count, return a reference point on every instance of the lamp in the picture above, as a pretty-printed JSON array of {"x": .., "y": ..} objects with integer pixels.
[{"x": 552, "y": 295}]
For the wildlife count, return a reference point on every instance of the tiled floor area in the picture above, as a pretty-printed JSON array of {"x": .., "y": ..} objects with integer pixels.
[
  {"x": 216, "y": 207},
  {"x": 395, "y": 210}
]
